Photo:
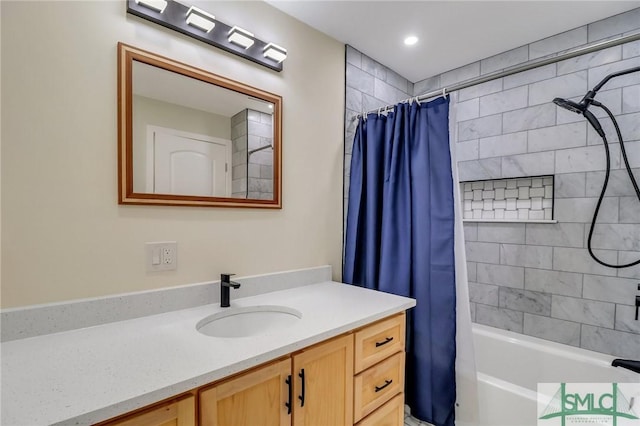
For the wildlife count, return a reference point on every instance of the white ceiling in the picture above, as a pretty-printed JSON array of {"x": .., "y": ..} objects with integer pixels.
[{"x": 452, "y": 33}]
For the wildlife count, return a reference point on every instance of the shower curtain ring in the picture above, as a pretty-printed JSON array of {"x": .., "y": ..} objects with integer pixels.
[
  {"x": 444, "y": 92},
  {"x": 418, "y": 100}
]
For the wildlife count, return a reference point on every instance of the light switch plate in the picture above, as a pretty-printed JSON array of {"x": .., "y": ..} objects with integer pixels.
[{"x": 161, "y": 256}]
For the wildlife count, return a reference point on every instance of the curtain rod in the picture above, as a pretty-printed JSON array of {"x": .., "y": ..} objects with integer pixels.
[
  {"x": 259, "y": 149},
  {"x": 516, "y": 69}
]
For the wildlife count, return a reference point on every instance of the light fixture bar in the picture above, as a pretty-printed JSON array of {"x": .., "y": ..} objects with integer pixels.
[
  {"x": 203, "y": 26},
  {"x": 157, "y": 5},
  {"x": 275, "y": 52},
  {"x": 198, "y": 18},
  {"x": 241, "y": 37}
]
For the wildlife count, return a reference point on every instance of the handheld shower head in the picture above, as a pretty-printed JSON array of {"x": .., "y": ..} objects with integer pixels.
[
  {"x": 570, "y": 105},
  {"x": 588, "y": 99},
  {"x": 580, "y": 108}
]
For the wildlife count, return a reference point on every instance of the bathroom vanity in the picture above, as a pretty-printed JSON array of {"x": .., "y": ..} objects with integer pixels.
[
  {"x": 341, "y": 363},
  {"x": 319, "y": 385}
]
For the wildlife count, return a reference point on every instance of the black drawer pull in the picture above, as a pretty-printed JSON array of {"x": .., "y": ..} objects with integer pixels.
[
  {"x": 386, "y": 383},
  {"x": 387, "y": 340}
]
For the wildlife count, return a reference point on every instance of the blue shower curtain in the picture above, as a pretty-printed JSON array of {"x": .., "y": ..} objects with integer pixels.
[{"x": 400, "y": 239}]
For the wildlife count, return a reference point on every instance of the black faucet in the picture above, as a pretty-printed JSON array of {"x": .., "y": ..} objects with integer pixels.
[
  {"x": 629, "y": 364},
  {"x": 225, "y": 285}
]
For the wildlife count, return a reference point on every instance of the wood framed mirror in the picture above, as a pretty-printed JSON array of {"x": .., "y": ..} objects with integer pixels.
[{"x": 188, "y": 137}]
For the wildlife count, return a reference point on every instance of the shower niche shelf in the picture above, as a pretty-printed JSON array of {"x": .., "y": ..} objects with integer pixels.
[
  {"x": 513, "y": 200},
  {"x": 508, "y": 221}
]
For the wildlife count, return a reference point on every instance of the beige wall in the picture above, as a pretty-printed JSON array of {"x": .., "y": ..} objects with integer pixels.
[
  {"x": 63, "y": 234},
  {"x": 153, "y": 112}
]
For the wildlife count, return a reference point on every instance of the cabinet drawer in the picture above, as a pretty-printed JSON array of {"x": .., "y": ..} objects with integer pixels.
[
  {"x": 376, "y": 342},
  {"x": 377, "y": 385},
  {"x": 390, "y": 414}
]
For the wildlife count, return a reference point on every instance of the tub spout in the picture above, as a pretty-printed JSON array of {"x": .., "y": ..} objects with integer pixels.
[{"x": 629, "y": 364}]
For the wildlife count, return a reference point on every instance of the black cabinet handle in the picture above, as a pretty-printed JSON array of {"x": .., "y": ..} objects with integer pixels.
[
  {"x": 301, "y": 397},
  {"x": 386, "y": 383},
  {"x": 387, "y": 340},
  {"x": 288, "y": 403}
]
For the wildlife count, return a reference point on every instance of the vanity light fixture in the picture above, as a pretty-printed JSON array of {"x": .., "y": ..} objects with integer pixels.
[
  {"x": 203, "y": 26},
  {"x": 240, "y": 37},
  {"x": 275, "y": 52},
  {"x": 157, "y": 5},
  {"x": 198, "y": 18}
]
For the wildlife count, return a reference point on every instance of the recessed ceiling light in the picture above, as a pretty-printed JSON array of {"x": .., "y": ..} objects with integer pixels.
[{"x": 411, "y": 40}]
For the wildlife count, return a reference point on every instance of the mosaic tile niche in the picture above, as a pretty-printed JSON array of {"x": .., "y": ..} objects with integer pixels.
[{"x": 527, "y": 199}]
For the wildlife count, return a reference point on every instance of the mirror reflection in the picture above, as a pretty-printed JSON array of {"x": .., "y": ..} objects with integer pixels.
[{"x": 193, "y": 140}]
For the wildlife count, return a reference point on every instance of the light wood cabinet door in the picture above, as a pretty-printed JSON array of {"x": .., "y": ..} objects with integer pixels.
[
  {"x": 256, "y": 398},
  {"x": 176, "y": 413},
  {"x": 323, "y": 384}
]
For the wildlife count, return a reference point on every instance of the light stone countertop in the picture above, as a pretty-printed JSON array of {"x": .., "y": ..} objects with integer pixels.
[{"x": 92, "y": 374}]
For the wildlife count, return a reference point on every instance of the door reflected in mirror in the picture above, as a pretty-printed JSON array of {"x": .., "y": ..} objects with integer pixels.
[{"x": 189, "y": 137}]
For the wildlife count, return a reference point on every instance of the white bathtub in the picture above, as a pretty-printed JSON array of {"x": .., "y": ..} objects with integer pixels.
[{"x": 510, "y": 365}]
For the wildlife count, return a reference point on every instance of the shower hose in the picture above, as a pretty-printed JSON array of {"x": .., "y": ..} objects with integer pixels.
[{"x": 606, "y": 182}]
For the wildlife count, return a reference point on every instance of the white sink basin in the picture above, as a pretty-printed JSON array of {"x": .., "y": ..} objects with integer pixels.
[{"x": 248, "y": 321}]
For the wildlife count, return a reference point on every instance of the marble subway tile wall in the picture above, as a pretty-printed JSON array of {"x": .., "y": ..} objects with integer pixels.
[
  {"x": 259, "y": 163},
  {"x": 252, "y": 174},
  {"x": 369, "y": 85},
  {"x": 538, "y": 279},
  {"x": 239, "y": 141}
]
